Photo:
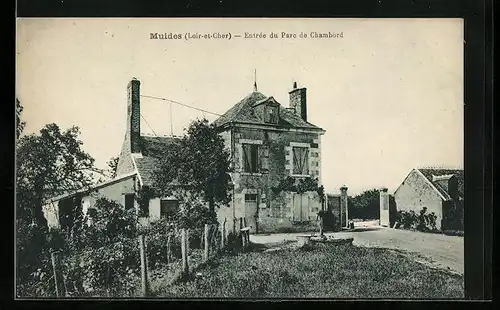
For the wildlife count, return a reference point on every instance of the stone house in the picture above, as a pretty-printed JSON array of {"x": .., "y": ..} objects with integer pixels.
[
  {"x": 439, "y": 190},
  {"x": 269, "y": 142}
]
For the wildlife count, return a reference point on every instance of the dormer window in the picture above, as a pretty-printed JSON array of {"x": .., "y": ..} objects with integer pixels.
[
  {"x": 267, "y": 110},
  {"x": 271, "y": 114}
]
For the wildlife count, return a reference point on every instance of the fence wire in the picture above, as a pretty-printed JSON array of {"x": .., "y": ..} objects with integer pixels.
[{"x": 115, "y": 267}]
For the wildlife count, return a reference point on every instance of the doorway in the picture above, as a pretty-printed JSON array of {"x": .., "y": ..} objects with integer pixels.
[
  {"x": 300, "y": 207},
  {"x": 251, "y": 211}
]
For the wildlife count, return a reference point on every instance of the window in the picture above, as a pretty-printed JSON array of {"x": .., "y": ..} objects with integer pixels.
[
  {"x": 144, "y": 208},
  {"x": 301, "y": 160},
  {"x": 250, "y": 157},
  {"x": 129, "y": 201},
  {"x": 168, "y": 208},
  {"x": 271, "y": 115},
  {"x": 250, "y": 197}
]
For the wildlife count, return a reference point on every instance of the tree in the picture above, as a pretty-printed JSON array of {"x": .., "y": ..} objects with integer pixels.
[
  {"x": 199, "y": 162},
  {"x": 19, "y": 124},
  {"x": 113, "y": 165},
  {"x": 365, "y": 205},
  {"x": 47, "y": 165}
]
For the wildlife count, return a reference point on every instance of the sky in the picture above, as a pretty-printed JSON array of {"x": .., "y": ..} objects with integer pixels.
[{"x": 388, "y": 92}]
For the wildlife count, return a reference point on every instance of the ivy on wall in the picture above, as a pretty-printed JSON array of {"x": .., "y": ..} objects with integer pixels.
[{"x": 300, "y": 186}]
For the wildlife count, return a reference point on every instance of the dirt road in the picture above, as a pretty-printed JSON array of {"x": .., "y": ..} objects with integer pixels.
[{"x": 436, "y": 250}]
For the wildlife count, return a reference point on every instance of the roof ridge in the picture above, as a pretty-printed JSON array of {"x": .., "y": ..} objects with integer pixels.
[{"x": 443, "y": 167}]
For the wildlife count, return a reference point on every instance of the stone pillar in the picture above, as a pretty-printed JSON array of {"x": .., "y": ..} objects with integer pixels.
[
  {"x": 384, "y": 207},
  {"x": 344, "y": 212}
]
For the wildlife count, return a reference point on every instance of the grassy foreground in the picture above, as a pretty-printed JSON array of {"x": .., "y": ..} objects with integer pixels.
[{"x": 326, "y": 271}]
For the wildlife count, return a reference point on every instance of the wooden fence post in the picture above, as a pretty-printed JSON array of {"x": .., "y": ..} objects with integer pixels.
[
  {"x": 223, "y": 234},
  {"x": 57, "y": 273},
  {"x": 144, "y": 267},
  {"x": 168, "y": 248},
  {"x": 205, "y": 235},
  {"x": 184, "y": 250}
]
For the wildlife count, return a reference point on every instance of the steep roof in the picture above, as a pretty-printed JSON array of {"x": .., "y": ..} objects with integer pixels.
[
  {"x": 458, "y": 173},
  {"x": 85, "y": 190},
  {"x": 147, "y": 163},
  {"x": 243, "y": 113}
]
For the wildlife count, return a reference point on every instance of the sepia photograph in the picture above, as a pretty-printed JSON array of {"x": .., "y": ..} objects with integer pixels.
[{"x": 239, "y": 158}]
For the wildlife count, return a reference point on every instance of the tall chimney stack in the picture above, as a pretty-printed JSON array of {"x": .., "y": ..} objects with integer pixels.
[
  {"x": 298, "y": 101},
  {"x": 134, "y": 115}
]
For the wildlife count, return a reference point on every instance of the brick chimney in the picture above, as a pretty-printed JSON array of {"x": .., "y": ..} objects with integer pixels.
[
  {"x": 134, "y": 115},
  {"x": 298, "y": 101}
]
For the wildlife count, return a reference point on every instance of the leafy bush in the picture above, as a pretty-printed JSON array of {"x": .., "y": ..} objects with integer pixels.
[
  {"x": 423, "y": 221},
  {"x": 329, "y": 222},
  {"x": 100, "y": 256},
  {"x": 365, "y": 206},
  {"x": 195, "y": 215},
  {"x": 33, "y": 268},
  {"x": 105, "y": 255},
  {"x": 158, "y": 234}
]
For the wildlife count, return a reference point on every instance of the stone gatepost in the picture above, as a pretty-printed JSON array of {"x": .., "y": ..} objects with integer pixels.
[
  {"x": 384, "y": 207},
  {"x": 344, "y": 212}
]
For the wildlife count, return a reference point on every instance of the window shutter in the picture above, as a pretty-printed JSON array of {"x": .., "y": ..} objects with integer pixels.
[
  {"x": 305, "y": 163},
  {"x": 255, "y": 158},
  {"x": 246, "y": 157},
  {"x": 300, "y": 160},
  {"x": 264, "y": 158}
]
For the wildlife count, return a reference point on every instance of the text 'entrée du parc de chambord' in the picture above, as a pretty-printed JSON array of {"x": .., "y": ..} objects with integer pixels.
[{"x": 244, "y": 35}]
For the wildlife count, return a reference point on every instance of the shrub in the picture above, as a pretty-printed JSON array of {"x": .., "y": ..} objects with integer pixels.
[
  {"x": 33, "y": 267},
  {"x": 105, "y": 255},
  {"x": 423, "y": 221},
  {"x": 329, "y": 222},
  {"x": 158, "y": 234}
]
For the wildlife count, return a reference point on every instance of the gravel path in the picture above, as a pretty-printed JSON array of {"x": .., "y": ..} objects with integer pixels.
[{"x": 436, "y": 250}]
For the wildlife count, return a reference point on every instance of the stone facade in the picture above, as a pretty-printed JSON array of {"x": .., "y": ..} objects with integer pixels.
[
  {"x": 426, "y": 188},
  {"x": 415, "y": 193},
  {"x": 274, "y": 140},
  {"x": 276, "y": 161}
]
